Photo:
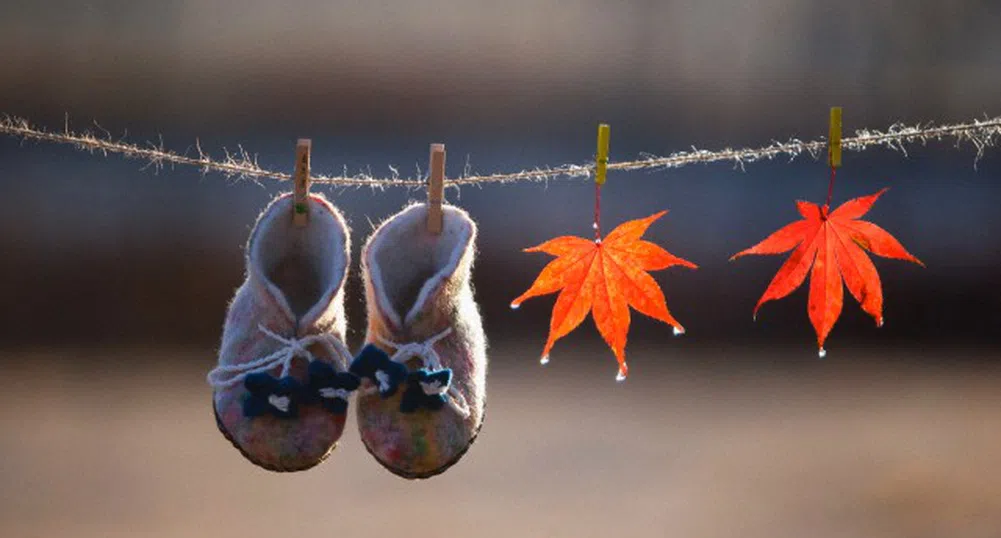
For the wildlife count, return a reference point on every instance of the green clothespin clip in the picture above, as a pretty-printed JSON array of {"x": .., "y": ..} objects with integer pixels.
[
  {"x": 601, "y": 164},
  {"x": 834, "y": 139}
]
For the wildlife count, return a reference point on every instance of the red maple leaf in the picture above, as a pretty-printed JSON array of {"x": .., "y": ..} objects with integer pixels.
[
  {"x": 604, "y": 277},
  {"x": 833, "y": 244}
]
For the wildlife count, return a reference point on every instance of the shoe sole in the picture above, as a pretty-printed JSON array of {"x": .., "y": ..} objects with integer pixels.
[
  {"x": 435, "y": 472},
  {"x": 229, "y": 437}
]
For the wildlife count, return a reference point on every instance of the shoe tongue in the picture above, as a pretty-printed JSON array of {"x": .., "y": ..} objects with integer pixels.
[
  {"x": 423, "y": 316},
  {"x": 298, "y": 280},
  {"x": 411, "y": 305},
  {"x": 298, "y": 292}
]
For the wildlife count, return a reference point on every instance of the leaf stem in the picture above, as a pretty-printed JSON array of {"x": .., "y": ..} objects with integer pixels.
[
  {"x": 597, "y": 212},
  {"x": 830, "y": 187}
]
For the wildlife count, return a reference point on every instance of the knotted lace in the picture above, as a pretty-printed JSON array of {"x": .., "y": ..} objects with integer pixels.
[
  {"x": 431, "y": 362},
  {"x": 228, "y": 375}
]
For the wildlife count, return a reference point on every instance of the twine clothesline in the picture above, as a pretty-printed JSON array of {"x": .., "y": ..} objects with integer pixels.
[{"x": 982, "y": 134}]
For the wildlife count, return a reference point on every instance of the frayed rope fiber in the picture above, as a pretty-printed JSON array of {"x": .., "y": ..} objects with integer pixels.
[{"x": 982, "y": 134}]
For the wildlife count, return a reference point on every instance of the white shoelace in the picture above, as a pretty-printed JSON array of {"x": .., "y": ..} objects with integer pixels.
[
  {"x": 431, "y": 361},
  {"x": 228, "y": 375}
]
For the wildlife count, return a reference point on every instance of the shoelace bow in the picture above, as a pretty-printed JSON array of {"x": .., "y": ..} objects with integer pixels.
[
  {"x": 228, "y": 375},
  {"x": 432, "y": 362}
]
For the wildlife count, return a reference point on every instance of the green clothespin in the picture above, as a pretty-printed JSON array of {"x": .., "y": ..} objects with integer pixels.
[
  {"x": 834, "y": 139},
  {"x": 601, "y": 163}
]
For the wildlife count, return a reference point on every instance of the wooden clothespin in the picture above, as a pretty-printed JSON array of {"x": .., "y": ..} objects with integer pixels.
[
  {"x": 436, "y": 188},
  {"x": 834, "y": 139},
  {"x": 601, "y": 159},
  {"x": 300, "y": 214}
]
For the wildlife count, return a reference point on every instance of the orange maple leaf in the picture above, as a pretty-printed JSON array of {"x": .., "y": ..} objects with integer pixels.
[
  {"x": 833, "y": 244},
  {"x": 604, "y": 277}
]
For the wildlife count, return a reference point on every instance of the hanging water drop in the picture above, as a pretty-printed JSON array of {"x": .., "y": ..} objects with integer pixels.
[
  {"x": 678, "y": 332},
  {"x": 515, "y": 306},
  {"x": 544, "y": 360},
  {"x": 822, "y": 353},
  {"x": 594, "y": 225},
  {"x": 621, "y": 376},
  {"x": 879, "y": 322}
]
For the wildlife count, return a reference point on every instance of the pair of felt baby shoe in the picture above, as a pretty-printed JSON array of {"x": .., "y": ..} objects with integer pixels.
[{"x": 285, "y": 377}]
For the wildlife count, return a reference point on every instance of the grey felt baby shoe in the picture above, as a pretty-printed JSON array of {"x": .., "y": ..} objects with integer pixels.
[
  {"x": 423, "y": 371},
  {"x": 280, "y": 390}
]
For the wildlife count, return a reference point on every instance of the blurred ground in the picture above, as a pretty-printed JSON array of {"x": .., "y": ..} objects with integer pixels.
[{"x": 857, "y": 445}]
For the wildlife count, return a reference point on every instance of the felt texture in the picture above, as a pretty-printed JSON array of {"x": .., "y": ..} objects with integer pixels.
[
  {"x": 417, "y": 284},
  {"x": 294, "y": 286}
]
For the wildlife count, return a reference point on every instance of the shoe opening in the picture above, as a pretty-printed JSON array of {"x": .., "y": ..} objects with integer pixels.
[
  {"x": 306, "y": 264},
  {"x": 406, "y": 261}
]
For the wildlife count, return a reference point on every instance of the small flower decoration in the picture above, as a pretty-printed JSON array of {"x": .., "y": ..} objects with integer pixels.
[
  {"x": 330, "y": 387},
  {"x": 426, "y": 390},
  {"x": 375, "y": 365},
  {"x": 270, "y": 395}
]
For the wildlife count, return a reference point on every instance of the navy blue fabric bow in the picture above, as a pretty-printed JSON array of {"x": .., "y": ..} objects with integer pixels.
[
  {"x": 279, "y": 397},
  {"x": 426, "y": 390},
  {"x": 330, "y": 387},
  {"x": 375, "y": 365}
]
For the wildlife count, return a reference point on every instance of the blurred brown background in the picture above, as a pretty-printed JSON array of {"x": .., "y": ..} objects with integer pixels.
[{"x": 114, "y": 278}]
